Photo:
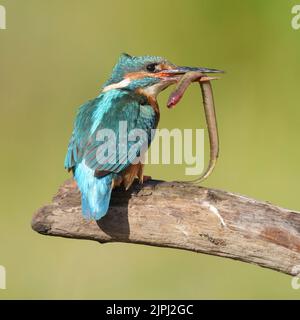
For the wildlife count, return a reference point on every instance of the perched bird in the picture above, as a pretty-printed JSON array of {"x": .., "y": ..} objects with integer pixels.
[{"x": 129, "y": 95}]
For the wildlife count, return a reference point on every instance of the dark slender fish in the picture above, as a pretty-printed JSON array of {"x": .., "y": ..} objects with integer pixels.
[{"x": 209, "y": 109}]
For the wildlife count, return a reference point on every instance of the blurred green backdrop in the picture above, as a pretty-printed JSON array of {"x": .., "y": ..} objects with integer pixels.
[{"x": 55, "y": 55}]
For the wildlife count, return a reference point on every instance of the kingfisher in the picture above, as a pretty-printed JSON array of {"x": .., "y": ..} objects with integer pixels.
[{"x": 128, "y": 96}]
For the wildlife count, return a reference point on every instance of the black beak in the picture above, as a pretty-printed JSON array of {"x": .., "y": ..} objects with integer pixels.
[{"x": 183, "y": 70}]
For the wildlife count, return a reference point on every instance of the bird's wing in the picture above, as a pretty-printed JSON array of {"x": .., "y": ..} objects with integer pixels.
[
  {"x": 80, "y": 134},
  {"x": 127, "y": 145},
  {"x": 124, "y": 151}
]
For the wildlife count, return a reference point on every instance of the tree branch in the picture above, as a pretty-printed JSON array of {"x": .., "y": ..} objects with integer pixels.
[{"x": 183, "y": 216}]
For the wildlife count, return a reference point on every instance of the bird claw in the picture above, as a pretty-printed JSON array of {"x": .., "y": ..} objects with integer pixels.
[
  {"x": 73, "y": 184},
  {"x": 145, "y": 179}
]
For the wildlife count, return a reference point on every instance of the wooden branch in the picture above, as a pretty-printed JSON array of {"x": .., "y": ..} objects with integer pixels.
[{"x": 183, "y": 216}]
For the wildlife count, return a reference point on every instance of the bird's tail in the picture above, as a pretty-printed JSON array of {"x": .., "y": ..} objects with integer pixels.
[{"x": 95, "y": 192}]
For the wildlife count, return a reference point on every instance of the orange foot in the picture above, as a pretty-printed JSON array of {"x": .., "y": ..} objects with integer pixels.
[
  {"x": 146, "y": 178},
  {"x": 73, "y": 184}
]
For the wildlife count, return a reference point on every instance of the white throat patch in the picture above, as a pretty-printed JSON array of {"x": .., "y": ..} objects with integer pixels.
[
  {"x": 151, "y": 91},
  {"x": 122, "y": 84}
]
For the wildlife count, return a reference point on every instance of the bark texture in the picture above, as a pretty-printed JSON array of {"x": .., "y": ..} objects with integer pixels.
[{"x": 182, "y": 216}]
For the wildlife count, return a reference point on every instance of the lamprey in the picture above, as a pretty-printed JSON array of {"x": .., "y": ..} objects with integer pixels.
[{"x": 210, "y": 113}]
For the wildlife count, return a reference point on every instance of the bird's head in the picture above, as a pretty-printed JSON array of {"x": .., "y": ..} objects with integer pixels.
[{"x": 147, "y": 74}]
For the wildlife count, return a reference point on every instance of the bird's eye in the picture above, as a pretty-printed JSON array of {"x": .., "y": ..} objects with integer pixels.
[{"x": 151, "y": 67}]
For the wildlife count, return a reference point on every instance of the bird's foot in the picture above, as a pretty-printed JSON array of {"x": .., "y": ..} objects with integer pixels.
[
  {"x": 73, "y": 184},
  {"x": 145, "y": 179}
]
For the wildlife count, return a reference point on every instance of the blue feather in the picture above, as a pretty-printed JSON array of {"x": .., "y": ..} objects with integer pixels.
[
  {"x": 95, "y": 192},
  {"x": 106, "y": 112}
]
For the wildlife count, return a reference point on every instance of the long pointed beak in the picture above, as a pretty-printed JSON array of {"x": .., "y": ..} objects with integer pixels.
[{"x": 182, "y": 70}]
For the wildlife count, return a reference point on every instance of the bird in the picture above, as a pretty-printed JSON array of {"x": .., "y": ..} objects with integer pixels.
[{"x": 128, "y": 96}]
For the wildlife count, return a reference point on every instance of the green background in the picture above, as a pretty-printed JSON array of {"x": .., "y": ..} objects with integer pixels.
[{"x": 56, "y": 54}]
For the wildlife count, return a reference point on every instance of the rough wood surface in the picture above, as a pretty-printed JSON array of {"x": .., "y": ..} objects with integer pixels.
[{"x": 183, "y": 216}]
